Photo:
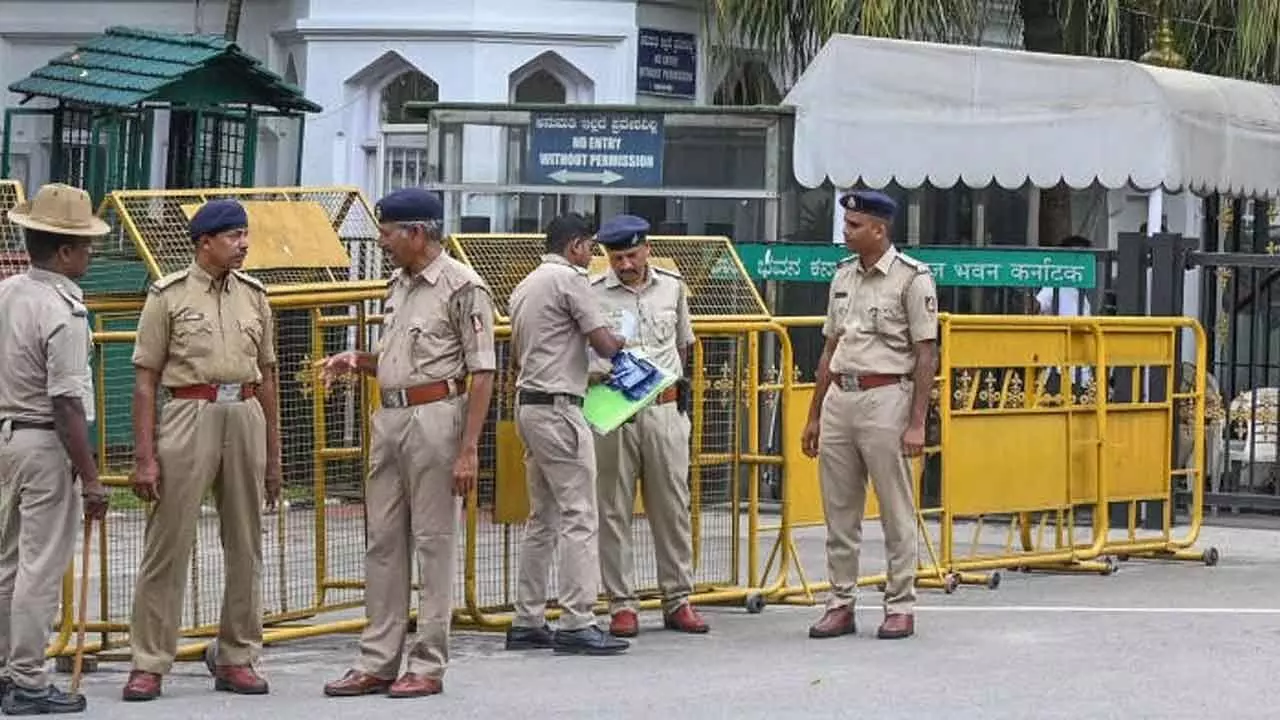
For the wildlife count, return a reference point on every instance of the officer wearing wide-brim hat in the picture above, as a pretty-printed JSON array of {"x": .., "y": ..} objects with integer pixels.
[
  {"x": 207, "y": 336},
  {"x": 649, "y": 306},
  {"x": 869, "y": 408},
  {"x": 437, "y": 335},
  {"x": 46, "y": 406}
]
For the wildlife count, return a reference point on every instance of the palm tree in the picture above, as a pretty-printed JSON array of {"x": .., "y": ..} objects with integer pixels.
[
  {"x": 1219, "y": 37},
  {"x": 234, "y": 9}
]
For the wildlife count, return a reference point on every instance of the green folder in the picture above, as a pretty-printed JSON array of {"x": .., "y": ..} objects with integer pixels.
[{"x": 606, "y": 409}]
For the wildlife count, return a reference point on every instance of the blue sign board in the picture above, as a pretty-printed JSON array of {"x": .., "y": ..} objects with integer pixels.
[
  {"x": 600, "y": 149},
  {"x": 667, "y": 64}
]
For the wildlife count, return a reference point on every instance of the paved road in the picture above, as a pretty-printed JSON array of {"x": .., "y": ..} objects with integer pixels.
[{"x": 1155, "y": 640}]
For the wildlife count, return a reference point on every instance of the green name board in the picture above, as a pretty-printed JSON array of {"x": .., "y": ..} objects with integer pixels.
[{"x": 965, "y": 267}]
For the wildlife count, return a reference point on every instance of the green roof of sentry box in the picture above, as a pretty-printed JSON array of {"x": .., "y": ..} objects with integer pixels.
[{"x": 127, "y": 66}]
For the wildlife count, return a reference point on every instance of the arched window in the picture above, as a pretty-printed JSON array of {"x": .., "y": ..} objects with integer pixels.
[
  {"x": 541, "y": 87},
  {"x": 750, "y": 83},
  {"x": 408, "y": 86}
]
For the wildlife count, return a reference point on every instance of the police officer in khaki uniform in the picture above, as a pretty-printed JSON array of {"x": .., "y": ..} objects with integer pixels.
[
  {"x": 647, "y": 305},
  {"x": 869, "y": 406},
  {"x": 438, "y": 330},
  {"x": 46, "y": 406},
  {"x": 552, "y": 309},
  {"x": 206, "y": 335}
]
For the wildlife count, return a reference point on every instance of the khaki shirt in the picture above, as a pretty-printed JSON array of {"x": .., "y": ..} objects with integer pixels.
[
  {"x": 196, "y": 330},
  {"x": 45, "y": 346},
  {"x": 879, "y": 313},
  {"x": 438, "y": 325},
  {"x": 654, "y": 317},
  {"x": 552, "y": 310}
]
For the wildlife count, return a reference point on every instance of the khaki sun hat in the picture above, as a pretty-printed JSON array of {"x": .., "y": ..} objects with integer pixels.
[{"x": 60, "y": 209}]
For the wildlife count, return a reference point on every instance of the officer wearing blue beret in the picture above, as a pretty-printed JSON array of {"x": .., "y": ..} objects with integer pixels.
[
  {"x": 219, "y": 216},
  {"x": 206, "y": 336},
  {"x": 869, "y": 406},
  {"x": 437, "y": 335},
  {"x": 646, "y": 304}
]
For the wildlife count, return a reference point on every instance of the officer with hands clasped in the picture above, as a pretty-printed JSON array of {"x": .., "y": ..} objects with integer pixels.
[
  {"x": 869, "y": 406},
  {"x": 647, "y": 305},
  {"x": 206, "y": 335},
  {"x": 437, "y": 333},
  {"x": 46, "y": 407},
  {"x": 552, "y": 313}
]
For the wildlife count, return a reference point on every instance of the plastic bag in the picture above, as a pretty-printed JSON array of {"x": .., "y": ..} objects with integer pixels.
[{"x": 633, "y": 376}]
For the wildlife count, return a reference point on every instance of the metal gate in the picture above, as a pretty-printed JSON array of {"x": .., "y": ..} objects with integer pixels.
[{"x": 1232, "y": 287}]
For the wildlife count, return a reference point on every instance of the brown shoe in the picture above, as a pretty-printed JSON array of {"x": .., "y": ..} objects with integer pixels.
[
  {"x": 410, "y": 686},
  {"x": 834, "y": 623},
  {"x": 686, "y": 620},
  {"x": 356, "y": 683},
  {"x": 239, "y": 679},
  {"x": 897, "y": 626},
  {"x": 141, "y": 686},
  {"x": 625, "y": 623}
]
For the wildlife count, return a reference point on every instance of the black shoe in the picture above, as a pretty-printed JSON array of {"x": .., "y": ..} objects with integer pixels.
[
  {"x": 527, "y": 638},
  {"x": 590, "y": 640},
  {"x": 48, "y": 700}
]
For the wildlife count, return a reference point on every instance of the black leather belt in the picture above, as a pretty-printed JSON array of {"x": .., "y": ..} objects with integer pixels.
[
  {"x": 28, "y": 425},
  {"x": 534, "y": 397}
]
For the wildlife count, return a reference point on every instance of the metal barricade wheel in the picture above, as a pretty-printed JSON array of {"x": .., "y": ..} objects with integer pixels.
[
  {"x": 755, "y": 603},
  {"x": 1211, "y": 557},
  {"x": 951, "y": 583}
]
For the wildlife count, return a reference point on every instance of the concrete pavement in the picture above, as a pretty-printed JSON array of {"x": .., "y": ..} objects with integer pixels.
[{"x": 1157, "y": 640}]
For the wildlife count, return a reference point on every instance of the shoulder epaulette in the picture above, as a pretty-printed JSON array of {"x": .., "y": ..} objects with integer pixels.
[
  {"x": 250, "y": 280},
  {"x": 919, "y": 266},
  {"x": 169, "y": 280},
  {"x": 667, "y": 271},
  {"x": 846, "y": 261},
  {"x": 597, "y": 279},
  {"x": 77, "y": 307}
]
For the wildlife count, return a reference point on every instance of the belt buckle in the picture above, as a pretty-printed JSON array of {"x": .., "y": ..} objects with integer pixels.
[
  {"x": 849, "y": 383},
  {"x": 227, "y": 394},
  {"x": 395, "y": 399}
]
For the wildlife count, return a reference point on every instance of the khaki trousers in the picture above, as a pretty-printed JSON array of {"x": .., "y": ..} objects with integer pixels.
[
  {"x": 655, "y": 447},
  {"x": 201, "y": 444},
  {"x": 560, "y": 468},
  {"x": 411, "y": 513},
  {"x": 39, "y": 512},
  {"x": 862, "y": 434}
]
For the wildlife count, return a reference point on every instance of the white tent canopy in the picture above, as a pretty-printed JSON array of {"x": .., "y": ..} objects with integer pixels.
[{"x": 891, "y": 110}]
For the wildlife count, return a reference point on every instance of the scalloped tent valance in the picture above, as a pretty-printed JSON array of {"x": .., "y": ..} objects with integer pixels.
[{"x": 876, "y": 111}]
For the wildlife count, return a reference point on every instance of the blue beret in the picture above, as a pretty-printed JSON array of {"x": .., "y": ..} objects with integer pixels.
[
  {"x": 409, "y": 205},
  {"x": 218, "y": 216},
  {"x": 871, "y": 202},
  {"x": 622, "y": 232}
]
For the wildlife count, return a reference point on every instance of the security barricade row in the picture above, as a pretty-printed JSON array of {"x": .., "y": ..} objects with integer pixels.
[
  {"x": 314, "y": 545},
  {"x": 1014, "y": 450}
]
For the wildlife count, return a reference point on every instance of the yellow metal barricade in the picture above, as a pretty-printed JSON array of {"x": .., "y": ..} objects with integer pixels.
[
  {"x": 725, "y": 308},
  {"x": 310, "y": 246},
  {"x": 1075, "y": 452},
  {"x": 13, "y": 253},
  {"x": 1014, "y": 451}
]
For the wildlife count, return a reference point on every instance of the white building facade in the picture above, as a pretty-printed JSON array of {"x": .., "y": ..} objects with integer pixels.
[{"x": 360, "y": 61}]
